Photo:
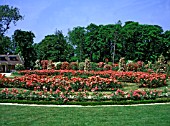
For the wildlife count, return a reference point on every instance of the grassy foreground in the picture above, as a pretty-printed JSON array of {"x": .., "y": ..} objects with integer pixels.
[{"x": 154, "y": 115}]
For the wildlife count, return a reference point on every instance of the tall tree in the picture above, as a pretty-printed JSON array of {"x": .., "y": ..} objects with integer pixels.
[
  {"x": 151, "y": 42},
  {"x": 24, "y": 41},
  {"x": 77, "y": 38},
  {"x": 166, "y": 45},
  {"x": 133, "y": 41},
  {"x": 129, "y": 34},
  {"x": 91, "y": 42},
  {"x": 53, "y": 47},
  {"x": 5, "y": 45},
  {"x": 115, "y": 39},
  {"x": 8, "y": 15}
]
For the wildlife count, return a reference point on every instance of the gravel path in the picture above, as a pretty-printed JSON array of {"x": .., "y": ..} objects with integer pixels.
[
  {"x": 16, "y": 104},
  {"x": 6, "y": 74}
]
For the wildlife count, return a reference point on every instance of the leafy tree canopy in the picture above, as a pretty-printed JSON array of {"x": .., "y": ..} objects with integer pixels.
[
  {"x": 8, "y": 15},
  {"x": 24, "y": 42},
  {"x": 53, "y": 47}
]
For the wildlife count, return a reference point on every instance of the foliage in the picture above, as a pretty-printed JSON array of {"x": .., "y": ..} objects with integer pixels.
[
  {"x": 24, "y": 41},
  {"x": 133, "y": 41},
  {"x": 81, "y": 65},
  {"x": 65, "y": 66},
  {"x": 19, "y": 67},
  {"x": 54, "y": 47},
  {"x": 69, "y": 85},
  {"x": 5, "y": 45},
  {"x": 77, "y": 38},
  {"x": 93, "y": 66},
  {"x": 58, "y": 65},
  {"x": 8, "y": 15},
  {"x": 143, "y": 79},
  {"x": 73, "y": 65}
]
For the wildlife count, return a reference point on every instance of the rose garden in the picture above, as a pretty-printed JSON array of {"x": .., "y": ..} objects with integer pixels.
[
  {"x": 114, "y": 74},
  {"x": 87, "y": 83}
]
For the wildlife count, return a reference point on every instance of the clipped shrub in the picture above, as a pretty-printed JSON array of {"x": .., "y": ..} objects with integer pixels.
[
  {"x": 44, "y": 64},
  {"x": 73, "y": 65},
  {"x": 110, "y": 63},
  {"x": 87, "y": 65},
  {"x": 57, "y": 65},
  {"x": 132, "y": 66},
  {"x": 115, "y": 67},
  {"x": 37, "y": 65},
  {"x": 107, "y": 67},
  {"x": 49, "y": 65},
  {"x": 19, "y": 67},
  {"x": 93, "y": 66},
  {"x": 65, "y": 66},
  {"x": 100, "y": 64},
  {"x": 81, "y": 65}
]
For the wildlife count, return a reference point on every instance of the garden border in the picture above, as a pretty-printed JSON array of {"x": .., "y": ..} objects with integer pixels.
[
  {"x": 36, "y": 105},
  {"x": 91, "y": 103}
]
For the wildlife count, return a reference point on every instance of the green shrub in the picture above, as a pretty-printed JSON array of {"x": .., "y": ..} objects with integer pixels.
[
  {"x": 81, "y": 65},
  {"x": 58, "y": 65},
  {"x": 19, "y": 67},
  {"x": 93, "y": 66},
  {"x": 73, "y": 65},
  {"x": 110, "y": 63}
]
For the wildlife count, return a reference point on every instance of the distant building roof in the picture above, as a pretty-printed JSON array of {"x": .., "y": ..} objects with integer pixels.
[{"x": 11, "y": 59}]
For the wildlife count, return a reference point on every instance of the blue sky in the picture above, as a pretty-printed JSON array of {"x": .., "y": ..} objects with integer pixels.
[{"x": 43, "y": 17}]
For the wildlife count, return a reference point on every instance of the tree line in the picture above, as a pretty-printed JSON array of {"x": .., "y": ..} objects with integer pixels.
[{"x": 133, "y": 40}]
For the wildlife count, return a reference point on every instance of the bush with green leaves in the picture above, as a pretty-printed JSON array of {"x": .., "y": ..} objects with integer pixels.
[
  {"x": 73, "y": 65},
  {"x": 19, "y": 67},
  {"x": 93, "y": 66},
  {"x": 81, "y": 65},
  {"x": 57, "y": 65},
  {"x": 65, "y": 66}
]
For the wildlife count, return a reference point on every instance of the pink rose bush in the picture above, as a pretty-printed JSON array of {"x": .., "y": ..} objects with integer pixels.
[{"x": 71, "y": 85}]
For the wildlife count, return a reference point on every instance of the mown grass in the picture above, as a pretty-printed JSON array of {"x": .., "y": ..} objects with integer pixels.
[{"x": 153, "y": 115}]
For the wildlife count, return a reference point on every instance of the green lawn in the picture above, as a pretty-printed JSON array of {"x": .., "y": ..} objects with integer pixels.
[{"x": 154, "y": 115}]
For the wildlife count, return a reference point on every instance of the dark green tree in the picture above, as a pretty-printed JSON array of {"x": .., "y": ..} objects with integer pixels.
[
  {"x": 166, "y": 45},
  {"x": 53, "y": 47},
  {"x": 76, "y": 37},
  {"x": 91, "y": 42},
  {"x": 151, "y": 42},
  {"x": 8, "y": 15},
  {"x": 129, "y": 34},
  {"x": 133, "y": 41},
  {"x": 5, "y": 45},
  {"x": 24, "y": 41}
]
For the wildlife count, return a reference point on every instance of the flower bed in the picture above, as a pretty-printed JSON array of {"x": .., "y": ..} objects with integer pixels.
[
  {"x": 142, "y": 78},
  {"x": 15, "y": 94},
  {"x": 71, "y": 85},
  {"x": 39, "y": 82}
]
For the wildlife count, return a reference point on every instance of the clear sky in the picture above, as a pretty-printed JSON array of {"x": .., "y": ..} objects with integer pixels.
[{"x": 43, "y": 17}]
